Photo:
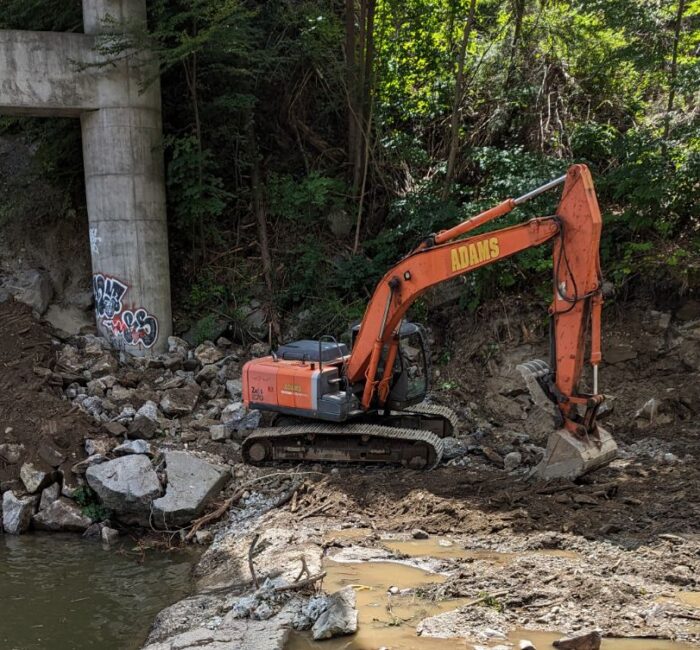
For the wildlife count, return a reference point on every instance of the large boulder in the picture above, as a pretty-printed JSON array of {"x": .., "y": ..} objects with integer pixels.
[
  {"x": 340, "y": 617},
  {"x": 64, "y": 515},
  {"x": 192, "y": 482},
  {"x": 126, "y": 486},
  {"x": 180, "y": 401},
  {"x": 16, "y": 512},
  {"x": 33, "y": 288}
]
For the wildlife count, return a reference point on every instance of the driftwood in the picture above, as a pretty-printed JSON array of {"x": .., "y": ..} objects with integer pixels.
[{"x": 251, "y": 565}]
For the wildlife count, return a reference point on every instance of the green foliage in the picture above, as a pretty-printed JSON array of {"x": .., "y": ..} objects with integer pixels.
[
  {"x": 90, "y": 504},
  {"x": 559, "y": 82},
  {"x": 306, "y": 200}
]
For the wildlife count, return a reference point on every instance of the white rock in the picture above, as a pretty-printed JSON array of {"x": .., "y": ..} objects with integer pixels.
[
  {"x": 512, "y": 460},
  {"x": 16, "y": 512}
]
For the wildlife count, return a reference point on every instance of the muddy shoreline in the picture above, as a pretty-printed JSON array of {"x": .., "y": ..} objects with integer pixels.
[{"x": 618, "y": 550}]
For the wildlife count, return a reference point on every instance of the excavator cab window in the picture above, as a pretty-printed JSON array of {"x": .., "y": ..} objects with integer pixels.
[{"x": 410, "y": 383}]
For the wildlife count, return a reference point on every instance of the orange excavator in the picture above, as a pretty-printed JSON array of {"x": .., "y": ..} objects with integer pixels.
[{"x": 367, "y": 404}]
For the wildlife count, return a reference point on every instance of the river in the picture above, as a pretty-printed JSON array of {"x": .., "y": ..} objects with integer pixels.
[{"x": 64, "y": 592}]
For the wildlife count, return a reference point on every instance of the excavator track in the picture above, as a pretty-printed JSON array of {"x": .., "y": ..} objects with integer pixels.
[
  {"x": 350, "y": 443},
  {"x": 436, "y": 410}
]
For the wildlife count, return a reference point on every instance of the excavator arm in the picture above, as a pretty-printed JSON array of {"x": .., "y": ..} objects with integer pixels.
[{"x": 575, "y": 308}]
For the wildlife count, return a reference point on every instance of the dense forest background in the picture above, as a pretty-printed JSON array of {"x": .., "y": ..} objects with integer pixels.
[{"x": 309, "y": 144}]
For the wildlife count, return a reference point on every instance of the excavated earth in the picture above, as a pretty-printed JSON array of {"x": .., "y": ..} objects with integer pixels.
[{"x": 617, "y": 550}]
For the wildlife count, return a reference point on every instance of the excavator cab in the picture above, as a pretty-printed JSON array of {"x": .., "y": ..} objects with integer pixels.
[{"x": 410, "y": 381}]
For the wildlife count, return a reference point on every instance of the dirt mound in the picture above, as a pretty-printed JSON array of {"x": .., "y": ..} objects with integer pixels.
[{"x": 36, "y": 424}]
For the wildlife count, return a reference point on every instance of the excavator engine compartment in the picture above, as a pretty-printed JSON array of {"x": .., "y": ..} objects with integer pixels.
[{"x": 301, "y": 379}]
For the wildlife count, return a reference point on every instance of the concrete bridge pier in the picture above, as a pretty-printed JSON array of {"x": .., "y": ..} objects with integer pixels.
[
  {"x": 123, "y": 162},
  {"x": 125, "y": 193}
]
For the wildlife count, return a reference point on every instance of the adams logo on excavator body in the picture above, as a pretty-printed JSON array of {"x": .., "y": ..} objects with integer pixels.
[{"x": 473, "y": 254}]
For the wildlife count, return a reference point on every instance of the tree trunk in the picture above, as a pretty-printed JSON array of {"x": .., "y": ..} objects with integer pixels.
[
  {"x": 519, "y": 14},
  {"x": 365, "y": 111},
  {"x": 674, "y": 67},
  {"x": 258, "y": 196},
  {"x": 351, "y": 78},
  {"x": 459, "y": 92}
]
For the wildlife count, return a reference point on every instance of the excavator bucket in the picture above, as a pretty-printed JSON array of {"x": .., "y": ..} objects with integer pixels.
[{"x": 567, "y": 455}]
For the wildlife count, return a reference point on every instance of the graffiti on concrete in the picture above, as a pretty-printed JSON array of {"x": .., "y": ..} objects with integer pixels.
[{"x": 126, "y": 326}]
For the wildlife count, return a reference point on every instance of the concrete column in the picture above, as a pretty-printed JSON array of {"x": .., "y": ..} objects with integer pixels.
[{"x": 125, "y": 192}]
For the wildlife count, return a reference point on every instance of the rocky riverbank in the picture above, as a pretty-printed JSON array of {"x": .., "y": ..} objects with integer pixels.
[{"x": 95, "y": 441}]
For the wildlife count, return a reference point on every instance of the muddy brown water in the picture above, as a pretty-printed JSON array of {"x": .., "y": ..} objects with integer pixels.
[
  {"x": 60, "y": 591},
  {"x": 390, "y": 621}
]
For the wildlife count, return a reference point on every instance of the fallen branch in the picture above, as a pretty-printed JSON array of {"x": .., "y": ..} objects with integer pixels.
[
  {"x": 251, "y": 566},
  {"x": 476, "y": 601},
  {"x": 303, "y": 583}
]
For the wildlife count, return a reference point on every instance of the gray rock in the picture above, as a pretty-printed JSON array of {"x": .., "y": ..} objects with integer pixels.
[
  {"x": 207, "y": 373},
  {"x": 340, "y": 616},
  {"x": 180, "y": 401},
  {"x": 650, "y": 410},
  {"x": 11, "y": 453},
  {"x": 126, "y": 485},
  {"x": 177, "y": 345},
  {"x": 143, "y": 428},
  {"x": 192, "y": 482},
  {"x": 64, "y": 515},
  {"x": 453, "y": 448},
  {"x": 512, "y": 460},
  {"x": 35, "y": 477},
  {"x": 234, "y": 387},
  {"x": 419, "y": 534},
  {"x": 590, "y": 641},
  {"x": 92, "y": 405},
  {"x": 148, "y": 410},
  {"x": 237, "y": 418},
  {"x": 109, "y": 535},
  {"x": 207, "y": 353},
  {"x": 218, "y": 432},
  {"x": 49, "y": 495},
  {"x": 134, "y": 447},
  {"x": 33, "y": 288},
  {"x": 16, "y": 512}
]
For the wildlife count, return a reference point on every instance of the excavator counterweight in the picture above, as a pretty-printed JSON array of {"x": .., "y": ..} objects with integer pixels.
[{"x": 367, "y": 404}]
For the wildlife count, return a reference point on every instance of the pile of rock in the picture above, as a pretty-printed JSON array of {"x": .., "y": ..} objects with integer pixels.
[
  {"x": 129, "y": 487},
  {"x": 40, "y": 503},
  {"x": 184, "y": 398},
  {"x": 188, "y": 395}
]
